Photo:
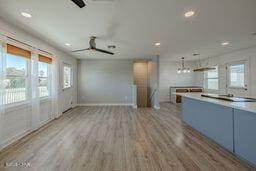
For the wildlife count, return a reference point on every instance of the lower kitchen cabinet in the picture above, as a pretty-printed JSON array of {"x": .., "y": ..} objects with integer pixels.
[
  {"x": 212, "y": 120},
  {"x": 245, "y": 135}
]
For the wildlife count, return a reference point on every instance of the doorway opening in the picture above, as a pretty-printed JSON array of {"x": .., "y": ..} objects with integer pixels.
[{"x": 142, "y": 71}]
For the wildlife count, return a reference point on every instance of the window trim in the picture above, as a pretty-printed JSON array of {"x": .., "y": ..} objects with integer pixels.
[
  {"x": 213, "y": 78},
  {"x": 243, "y": 62},
  {"x": 71, "y": 76}
]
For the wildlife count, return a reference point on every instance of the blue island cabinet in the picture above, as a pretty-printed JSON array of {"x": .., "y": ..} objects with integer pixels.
[
  {"x": 212, "y": 120},
  {"x": 245, "y": 135}
]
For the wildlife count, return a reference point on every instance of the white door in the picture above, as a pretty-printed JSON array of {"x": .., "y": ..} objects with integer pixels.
[{"x": 237, "y": 78}]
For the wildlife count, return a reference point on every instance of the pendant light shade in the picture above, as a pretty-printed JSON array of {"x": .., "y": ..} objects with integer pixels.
[{"x": 183, "y": 69}]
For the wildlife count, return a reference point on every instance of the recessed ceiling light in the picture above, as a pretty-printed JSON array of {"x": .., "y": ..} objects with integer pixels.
[
  {"x": 189, "y": 14},
  {"x": 225, "y": 43},
  {"x": 27, "y": 15},
  {"x": 157, "y": 44},
  {"x": 67, "y": 44}
]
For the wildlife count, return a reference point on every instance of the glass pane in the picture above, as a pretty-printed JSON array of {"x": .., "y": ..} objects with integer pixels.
[
  {"x": 15, "y": 90},
  {"x": 43, "y": 79},
  {"x": 66, "y": 77},
  {"x": 211, "y": 79},
  {"x": 236, "y": 75},
  {"x": 42, "y": 69},
  {"x": 212, "y": 84},
  {"x": 212, "y": 73},
  {"x": 43, "y": 91},
  {"x": 15, "y": 66},
  {"x": 43, "y": 82},
  {"x": 14, "y": 82}
]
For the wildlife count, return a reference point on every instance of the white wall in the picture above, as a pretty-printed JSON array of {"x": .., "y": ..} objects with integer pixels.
[
  {"x": 247, "y": 55},
  {"x": 17, "y": 120},
  {"x": 168, "y": 77},
  {"x": 105, "y": 81}
]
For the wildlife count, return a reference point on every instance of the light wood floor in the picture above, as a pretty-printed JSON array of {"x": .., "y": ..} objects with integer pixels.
[{"x": 119, "y": 139}]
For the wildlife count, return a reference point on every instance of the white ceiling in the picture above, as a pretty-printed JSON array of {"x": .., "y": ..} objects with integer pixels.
[{"x": 135, "y": 25}]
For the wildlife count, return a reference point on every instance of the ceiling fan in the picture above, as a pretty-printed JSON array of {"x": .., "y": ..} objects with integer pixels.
[{"x": 93, "y": 47}]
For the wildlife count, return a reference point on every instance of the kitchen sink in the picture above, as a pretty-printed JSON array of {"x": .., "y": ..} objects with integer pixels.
[{"x": 229, "y": 97}]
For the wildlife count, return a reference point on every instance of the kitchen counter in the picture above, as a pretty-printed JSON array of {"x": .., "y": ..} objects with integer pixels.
[
  {"x": 230, "y": 124},
  {"x": 182, "y": 89},
  {"x": 247, "y": 106}
]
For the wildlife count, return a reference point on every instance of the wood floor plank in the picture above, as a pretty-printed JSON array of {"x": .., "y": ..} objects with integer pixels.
[{"x": 119, "y": 139}]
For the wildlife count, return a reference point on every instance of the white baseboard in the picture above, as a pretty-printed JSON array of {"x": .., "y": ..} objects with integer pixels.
[
  {"x": 105, "y": 104},
  {"x": 13, "y": 139},
  {"x": 16, "y": 137}
]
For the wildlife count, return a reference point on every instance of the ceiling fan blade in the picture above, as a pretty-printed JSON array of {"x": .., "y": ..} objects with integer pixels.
[
  {"x": 79, "y": 3},
  {"x": 80, "y": 50},
  {"x": 104, "y": 51}
]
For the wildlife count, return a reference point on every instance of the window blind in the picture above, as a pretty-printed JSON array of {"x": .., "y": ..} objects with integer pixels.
[
  {"x": 45, "y": 59},
  {"x": 14, "y": 50}
]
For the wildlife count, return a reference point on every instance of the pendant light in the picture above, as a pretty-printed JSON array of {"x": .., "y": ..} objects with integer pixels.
[
  {"x": 183, "y": 69},
  {"x": 206, "y": 68}
]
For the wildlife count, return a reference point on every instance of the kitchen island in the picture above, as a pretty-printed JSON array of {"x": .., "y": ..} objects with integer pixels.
[{"x": 230, "y": 124}]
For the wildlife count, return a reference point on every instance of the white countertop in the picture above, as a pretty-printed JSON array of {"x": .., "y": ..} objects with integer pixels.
[
  {"x": 247, "y": 106},
  {"x": 186, "y": 87}
]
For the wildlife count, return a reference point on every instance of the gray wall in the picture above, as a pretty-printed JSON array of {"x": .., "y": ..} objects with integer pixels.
[{"x": 105, "y": 81}]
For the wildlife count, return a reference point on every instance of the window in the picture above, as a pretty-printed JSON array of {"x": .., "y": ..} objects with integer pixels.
[
  {"x": 67, "y": 76},
  {"x": 19, "y": 73},
  {"x": 211, "y": 80},
  {"x": 43, "y": 77},
  {"x": 237, "y": 75},
  {"x": 16, "y": 79}
]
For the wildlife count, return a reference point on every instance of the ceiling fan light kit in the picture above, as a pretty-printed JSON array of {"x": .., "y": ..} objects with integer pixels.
[{"x": 183, "y": 69}]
